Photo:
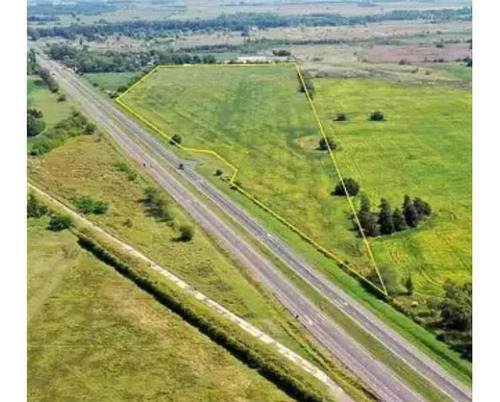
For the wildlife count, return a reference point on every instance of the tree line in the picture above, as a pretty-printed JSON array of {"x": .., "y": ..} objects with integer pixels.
[
  {"x": 85, "y": 61},
  {"x": 240, "y": 22}
]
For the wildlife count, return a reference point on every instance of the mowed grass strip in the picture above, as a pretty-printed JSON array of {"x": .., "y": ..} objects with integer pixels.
[
  {"x": 93, "y": 335},
  {"x": 424, "y": 149}
]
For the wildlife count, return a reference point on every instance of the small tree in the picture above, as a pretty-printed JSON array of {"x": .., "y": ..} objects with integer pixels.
[
  {"x": 90, "y": 128},
  {"x": 176, "y": 139},
  {"x": 377, "y": 116},
  {"x": 60, "y": 222},
  {"x": 351, "y": 185},
  {"x": 410, "y": 212},
  {"x": 218, "y": 172},
  {"x": 385, "y": 218},
  {"x": 399, "y": 220},
  {"x": 329, "y": 142},
  {"x": 34, "y": 126},
  {"x": 61, "y": 98},
  {"x": 367, "y": 219},
  {"x": 341, "y": 117},
  {"x": 409, "y": 285},
  {"x": 187, "y": 232}
]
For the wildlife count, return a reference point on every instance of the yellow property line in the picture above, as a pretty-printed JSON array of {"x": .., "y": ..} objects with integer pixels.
[{"x": 232, "y": 183}]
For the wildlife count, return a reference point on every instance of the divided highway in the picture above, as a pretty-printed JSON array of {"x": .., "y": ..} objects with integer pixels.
[{"x": 135, "y": 141}]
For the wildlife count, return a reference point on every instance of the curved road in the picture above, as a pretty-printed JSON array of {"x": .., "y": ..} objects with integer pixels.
[{"x": 383, "y": 383}]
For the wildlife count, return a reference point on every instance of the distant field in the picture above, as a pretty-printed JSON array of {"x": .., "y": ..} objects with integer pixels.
[
  {"x": 257, "y": 119},
  {"x": 95, "y": 336},
  {"x": 111, "y": 81}
]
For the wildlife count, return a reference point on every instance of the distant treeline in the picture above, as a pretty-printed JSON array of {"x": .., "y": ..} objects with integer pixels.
[
  {"x": 86, "y": 61},
  {"x": 241, "y": 22}
]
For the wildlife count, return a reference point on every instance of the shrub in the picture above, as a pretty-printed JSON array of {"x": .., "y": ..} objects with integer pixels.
[
  {"x": 87, "y": 205},
  {"x": 377, "y": 116},
  {"x": 61, "y": 98},
  {"x": 218, "y": 172},
  {"x": 35, "y": 208},
  {"x": 323, "y": 144},
  {"x": 186, "y": 232},
  {"x": 351, "y": 185},
  {"x": 341, "y": 117},
  {"x": 58, "y": 222},
  {"x": 176, "y": 139}
]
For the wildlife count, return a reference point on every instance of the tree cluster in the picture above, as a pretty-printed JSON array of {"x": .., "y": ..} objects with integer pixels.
[
  {"x": 387, "y": 220},
  {"x": 281, "y": 53},
  {"x": 35, "y": 122},
  {"x": 49, "y": 80}
]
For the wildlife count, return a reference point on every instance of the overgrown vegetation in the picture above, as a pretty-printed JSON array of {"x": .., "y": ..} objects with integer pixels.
[
  {"x": 59, "y": 222},
  {"x": 84, "y": 60},
  {"x": 76, "y": 124},
  {"x": 88, "y": 205},
  {"x": 36, "y": 208},
  {"x": 35, "y": 122}
]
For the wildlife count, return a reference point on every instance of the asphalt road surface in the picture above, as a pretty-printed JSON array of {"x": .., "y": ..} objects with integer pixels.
[{"x": 144, "y": 148}]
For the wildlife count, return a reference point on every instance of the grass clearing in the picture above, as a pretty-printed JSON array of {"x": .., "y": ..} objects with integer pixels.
[
  {"x": 111, "y": 81},
  {"x": 40, "y": 97},
  {"x": 93, "y": 335}
]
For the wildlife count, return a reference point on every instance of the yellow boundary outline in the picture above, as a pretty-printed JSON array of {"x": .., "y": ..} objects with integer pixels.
[{"x": 318, "y": 246}]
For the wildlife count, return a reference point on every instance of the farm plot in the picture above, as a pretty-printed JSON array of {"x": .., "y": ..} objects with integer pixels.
[
  {"x": 257, "y": 118},
  {"x": 424, "y": 149}
]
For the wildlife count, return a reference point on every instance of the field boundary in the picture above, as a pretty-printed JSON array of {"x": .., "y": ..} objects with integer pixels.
[{"x": 234, "y": 169}]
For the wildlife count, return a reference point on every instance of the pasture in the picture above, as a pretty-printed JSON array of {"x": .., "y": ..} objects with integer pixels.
[{"x": 256, "y": 117}]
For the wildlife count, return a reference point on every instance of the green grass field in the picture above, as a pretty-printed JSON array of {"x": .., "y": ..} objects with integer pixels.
[
  {"x": 40, "y": 97},
  {"x": 95, "y": 336},
  {"x": 111, "y": 81},
  {"x": 257, "y": 119}
]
